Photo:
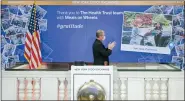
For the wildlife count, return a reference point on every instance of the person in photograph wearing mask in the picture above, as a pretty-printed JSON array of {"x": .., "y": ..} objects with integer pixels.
[
  {"x": 157, "y": 33},
  {"x": 100, "y": 53},
  {"x": 136, "y": 39}
]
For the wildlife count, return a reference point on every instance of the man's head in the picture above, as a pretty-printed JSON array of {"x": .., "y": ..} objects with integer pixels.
[{"x": 100, "y": 35}]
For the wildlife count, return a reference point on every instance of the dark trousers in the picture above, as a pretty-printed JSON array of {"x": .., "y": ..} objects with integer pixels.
[{"x": 158, "y": 40}]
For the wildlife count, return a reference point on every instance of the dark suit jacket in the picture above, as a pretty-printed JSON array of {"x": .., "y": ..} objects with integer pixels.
[{"x": 100, "y": 53}]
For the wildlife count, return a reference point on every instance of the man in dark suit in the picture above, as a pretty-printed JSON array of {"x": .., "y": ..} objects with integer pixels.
[{"x": 100, "y": 53}]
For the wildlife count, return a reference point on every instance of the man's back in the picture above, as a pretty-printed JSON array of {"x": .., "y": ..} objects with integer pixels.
[{"x": 100, "y": 53}]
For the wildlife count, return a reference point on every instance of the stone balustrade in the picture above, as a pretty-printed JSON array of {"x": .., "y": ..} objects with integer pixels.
[{"x": 55, "y": 85}]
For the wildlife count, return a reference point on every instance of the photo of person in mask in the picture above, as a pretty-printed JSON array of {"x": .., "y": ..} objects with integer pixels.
[
  {"x": 136, "y": 39},
  {"x": 157, "y": 33}
]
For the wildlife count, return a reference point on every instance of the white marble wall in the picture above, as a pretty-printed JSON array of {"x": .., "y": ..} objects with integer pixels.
[{"x": 52, "y": 85}]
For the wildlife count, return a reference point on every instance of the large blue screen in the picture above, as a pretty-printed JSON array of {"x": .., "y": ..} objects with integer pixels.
[{"x": 68, "y": 32}]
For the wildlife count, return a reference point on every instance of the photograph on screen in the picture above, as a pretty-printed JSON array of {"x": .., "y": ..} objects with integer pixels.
[{"x": 149, "y": 32}]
